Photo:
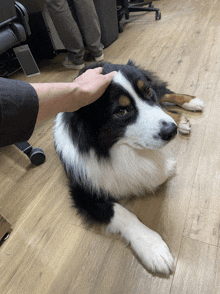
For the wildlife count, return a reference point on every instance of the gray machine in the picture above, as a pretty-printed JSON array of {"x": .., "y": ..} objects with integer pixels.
[{"x": 14, "y": 31}]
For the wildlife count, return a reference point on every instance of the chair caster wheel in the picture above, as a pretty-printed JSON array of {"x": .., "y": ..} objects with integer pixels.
[
  {"x": 6, "y": 236},
  {"x": 158, "y": 15},
  {"x": 126, "y": 16},
  {"x": 37, "y": 156}
]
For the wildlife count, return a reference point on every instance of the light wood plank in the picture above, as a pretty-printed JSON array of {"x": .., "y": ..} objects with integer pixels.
[
  {"x": 197, "y": 269},
  {"x": 203, "y": 216}
]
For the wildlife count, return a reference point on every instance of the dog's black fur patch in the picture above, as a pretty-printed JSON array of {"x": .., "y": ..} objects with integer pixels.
[{"x": 94, "y": 207}]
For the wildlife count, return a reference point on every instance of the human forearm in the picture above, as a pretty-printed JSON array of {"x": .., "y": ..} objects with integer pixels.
[{"x": 55, "y": 98}]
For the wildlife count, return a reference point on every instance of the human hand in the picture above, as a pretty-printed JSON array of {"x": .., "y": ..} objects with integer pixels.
[{"x": 91, "y": 85}]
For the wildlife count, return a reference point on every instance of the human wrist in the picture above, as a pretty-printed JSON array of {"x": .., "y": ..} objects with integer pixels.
[
  {"x": 81, "y": 97},
  {"x": 70, "y": 97},
  {"x": 54, "y": 98}
]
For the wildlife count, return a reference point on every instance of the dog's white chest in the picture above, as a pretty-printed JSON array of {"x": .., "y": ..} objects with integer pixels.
[{"x": 129, "y": 171}]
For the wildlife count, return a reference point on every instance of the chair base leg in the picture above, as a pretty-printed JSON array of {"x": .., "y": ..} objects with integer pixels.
[
  {"x": 5, "y": 228},
  {"x": 135, "y": 6},
  {"x": 36, "y": 155}
]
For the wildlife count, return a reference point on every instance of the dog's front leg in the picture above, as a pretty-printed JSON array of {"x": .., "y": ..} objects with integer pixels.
[{"x": 147, "y": 244}]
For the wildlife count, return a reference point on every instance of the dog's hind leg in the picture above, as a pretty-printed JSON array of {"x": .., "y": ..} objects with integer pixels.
[
  {"x": 147, "y": 244},
  {"x": 182, "y": 122},
  {"x": 185, "y": 101}
]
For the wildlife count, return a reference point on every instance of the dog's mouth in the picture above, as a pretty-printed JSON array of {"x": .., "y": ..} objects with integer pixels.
[
  {"x": 157, "y": 142},
  {"x": 153, "y": 146}
]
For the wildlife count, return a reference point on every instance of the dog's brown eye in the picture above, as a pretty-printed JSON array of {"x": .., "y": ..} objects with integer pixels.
[{"x": 122, "y": 112}]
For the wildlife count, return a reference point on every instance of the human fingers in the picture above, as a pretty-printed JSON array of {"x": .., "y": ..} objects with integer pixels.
[
  {"x": 105, "y": 81},
  {"x": 110, "y": 76},
  {"x": 98, "y": 70},
  {"x": 107, "y": 77}
]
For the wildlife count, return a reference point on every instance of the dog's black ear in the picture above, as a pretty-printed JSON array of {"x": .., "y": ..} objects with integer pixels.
[
  {"x": 130, "y": 62},
  {"x": 150, "y": 76},
  {"x": 154, "y": 80}
]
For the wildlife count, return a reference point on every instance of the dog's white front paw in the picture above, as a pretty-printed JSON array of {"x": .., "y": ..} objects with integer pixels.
[
  {"x": 184, "y": 126},
  {"x": 147, "y": 244},
  {"x": 195, "y": 104},
  {"x": 153, "y": 251}
]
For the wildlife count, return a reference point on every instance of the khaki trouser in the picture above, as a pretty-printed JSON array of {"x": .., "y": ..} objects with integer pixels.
[{"x": 73, "y": 34}]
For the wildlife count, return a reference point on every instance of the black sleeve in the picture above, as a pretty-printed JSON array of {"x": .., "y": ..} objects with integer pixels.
[{"x": 18, "y": 111}]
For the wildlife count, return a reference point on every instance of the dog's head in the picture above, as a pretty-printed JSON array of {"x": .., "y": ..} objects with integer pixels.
[{"x": 127, "y": 113}]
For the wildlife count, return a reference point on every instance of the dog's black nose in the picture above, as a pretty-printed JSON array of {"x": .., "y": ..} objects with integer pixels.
[{"x": 168, "y": 131}]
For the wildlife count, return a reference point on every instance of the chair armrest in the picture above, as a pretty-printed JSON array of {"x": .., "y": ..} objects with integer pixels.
[
  {"x": 23, "y": 17},
  {"x": 19, "y": 31},
  {"x": 8, "y": 39}
]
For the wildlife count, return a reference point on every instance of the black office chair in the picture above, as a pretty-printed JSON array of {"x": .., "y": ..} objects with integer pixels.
[
  {"x": 126, "y": 6},
  {"x": 14, "y": 30}
]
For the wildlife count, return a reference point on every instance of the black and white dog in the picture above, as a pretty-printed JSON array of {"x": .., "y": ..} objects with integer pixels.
[{"x": 112, "y": 149}]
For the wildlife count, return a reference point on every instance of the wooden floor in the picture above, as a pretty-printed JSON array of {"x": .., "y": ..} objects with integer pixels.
[{"x": 50, "y": 251}]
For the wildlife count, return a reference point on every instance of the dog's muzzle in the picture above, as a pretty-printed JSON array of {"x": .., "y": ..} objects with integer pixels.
[{"x": 168, "y": 131}]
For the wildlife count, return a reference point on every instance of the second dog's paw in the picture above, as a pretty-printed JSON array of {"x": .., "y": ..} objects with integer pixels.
[
  {"x": 195, "y": 104},
  {"x": 153, "y": 252},
  {"x": 184, "y": 126}
]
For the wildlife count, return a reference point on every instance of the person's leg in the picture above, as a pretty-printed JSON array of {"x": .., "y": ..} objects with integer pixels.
[
  {"x": 67, "y": 30},
  {"x": 89, "y": 25}
]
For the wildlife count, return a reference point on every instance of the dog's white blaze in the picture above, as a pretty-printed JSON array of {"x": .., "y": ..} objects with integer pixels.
[
  {"x": 148, "y": 245},
  {"x": 120, "y": 79},
  {"x": 144, "y": 132}
]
